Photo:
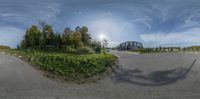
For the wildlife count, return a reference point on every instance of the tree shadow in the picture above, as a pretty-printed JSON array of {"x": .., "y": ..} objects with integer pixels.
[{"x": 155, "y": 78}]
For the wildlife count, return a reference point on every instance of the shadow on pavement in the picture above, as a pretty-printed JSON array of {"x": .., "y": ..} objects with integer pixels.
[{"x": 156, "y": 78}]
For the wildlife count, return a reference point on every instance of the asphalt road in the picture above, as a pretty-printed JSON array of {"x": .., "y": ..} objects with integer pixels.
[{"x": 147, "y": 76}]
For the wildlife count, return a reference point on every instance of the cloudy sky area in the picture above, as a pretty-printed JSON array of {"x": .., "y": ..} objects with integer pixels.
[{"x": 153, "y": 22}]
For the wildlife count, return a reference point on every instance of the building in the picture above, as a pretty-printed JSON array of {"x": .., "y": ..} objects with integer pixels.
[
  {"x": 164, "y": 49},
  {"x": 130, "y": 45}
]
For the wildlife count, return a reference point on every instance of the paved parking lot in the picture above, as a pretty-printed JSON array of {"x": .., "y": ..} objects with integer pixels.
[{"x": 146, "y": 76}]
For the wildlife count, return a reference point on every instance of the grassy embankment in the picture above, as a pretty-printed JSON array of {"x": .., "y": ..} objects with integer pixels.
[{"x": 70, "y": 66}]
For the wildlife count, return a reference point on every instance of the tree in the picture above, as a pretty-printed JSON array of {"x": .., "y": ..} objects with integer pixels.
[
  {"x": 77, "y": 39},
  {"x": 104, "y": 43},
  {"x": 43, "y": 41},
  {"x": 67, "y": 38},
  {"x": 49, "y": 34},
  {"x": 44, "y": 38},
  {"x": 23, "y": 44},
  {"x": 31, "y": 38},
  {"x": 96, "y": 46},
  {"x": 85, "y": 36},
  {"x": 57, "y": 40}
]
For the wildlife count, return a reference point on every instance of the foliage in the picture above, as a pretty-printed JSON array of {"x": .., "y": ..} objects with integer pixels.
[
  {"x": 160, "y": 49},
  {"x": 44, "y": 38},
  {"x": 31, "y": 38},
  {"x": 96, "y": 45},
  {"x": 85, "y": 37},
  {"x": 67, "y": 38},
  {"x": 77, "y": 40},
  {"x": 71, "y": 66},
  {"x": 70, "y": 50},
  {"x": 142, "y": 50},
  {"x": 85, "y": 50},
  {"x": 192, "y": 48},
  {"x": 4, "y": 47},
  {"x": 41, "y": 46},
  {"x": 105, "y": 43}
]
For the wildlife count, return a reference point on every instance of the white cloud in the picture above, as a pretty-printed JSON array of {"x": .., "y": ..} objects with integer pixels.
[
  {"x": 49, "y": 12},
  {"x": 190, "y": 22},
  {"x": 10, "y": 36},
  {"x": 113, "y": 43},
  {"x": 113, "y": 29},
  {"x": 106, "y": 27},
  {"x": 189, "y": 37},
  {"x": 8, "y": 15}
]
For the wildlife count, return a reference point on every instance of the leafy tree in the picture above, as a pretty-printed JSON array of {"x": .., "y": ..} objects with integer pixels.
[
  {"x": 57, "y": 40},
  {"x": 44, "y": 38},
  {"x": 23, "y": 44},
  {"x": 85, "y": 36},
  {"x": 67, "y": 38},
  {"x": 96, "y": 45},
  {"x": 49, "y": 33},
  {"x": 43, "y": 41},
  {"x": 104, "y": 43},
  {"x": 31, "y": 37},
  {"x": 77, "y": 39}
]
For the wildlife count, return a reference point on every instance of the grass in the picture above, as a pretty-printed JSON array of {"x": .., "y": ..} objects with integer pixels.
[{"x": 70, "y": 66}]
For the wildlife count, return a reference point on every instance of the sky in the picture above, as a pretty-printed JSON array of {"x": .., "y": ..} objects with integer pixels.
[{"x": 153, "y": 22}]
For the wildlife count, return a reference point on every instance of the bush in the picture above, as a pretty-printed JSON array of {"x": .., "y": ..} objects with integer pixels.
[
  {"x": 72, "y": 66},
  {"x": 4, "y": 47},
  {"x": 85, "y": 50},
  {"x": 142, "y": 50},
  {"x": 70, "y": 50}
]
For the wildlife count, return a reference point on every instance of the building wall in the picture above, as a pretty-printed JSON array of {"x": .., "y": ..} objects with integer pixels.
[{"x": 130, "y": 45}]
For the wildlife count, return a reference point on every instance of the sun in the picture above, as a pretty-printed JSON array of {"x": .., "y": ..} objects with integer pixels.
[{"x": 102, "y": 36}]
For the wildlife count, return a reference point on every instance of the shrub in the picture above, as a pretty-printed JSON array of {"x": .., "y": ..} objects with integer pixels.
[
  {"x": 72, "y": 66},
  {"x": 4, "y": 47},
  {"x": 85, "y": 50},
  {"x": 142, "y": 50},
  {"x": 70, "y": 50}
]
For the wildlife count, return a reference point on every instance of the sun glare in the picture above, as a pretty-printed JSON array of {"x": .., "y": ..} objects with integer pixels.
[{"x": 102, "y": 36}]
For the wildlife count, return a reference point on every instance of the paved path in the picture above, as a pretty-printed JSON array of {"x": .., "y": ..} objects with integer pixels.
[{"x": 148, "y": 76}]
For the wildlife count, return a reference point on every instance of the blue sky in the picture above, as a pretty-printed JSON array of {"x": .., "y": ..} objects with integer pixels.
[{"x": 153, "y": 22}]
